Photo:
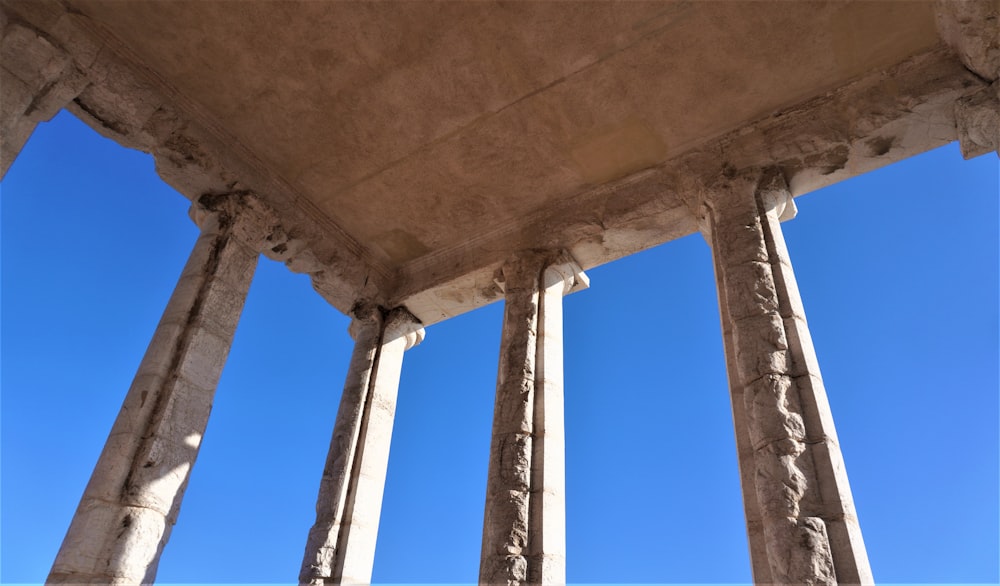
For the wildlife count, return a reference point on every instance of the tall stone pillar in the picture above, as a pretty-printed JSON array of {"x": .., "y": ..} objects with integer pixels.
[
  {"x": 759, "y": 566},
  {"x": 801, "y": 521},
  {"x": 341, "y": 544},
  {"x": 524, "y": 529},
  {"x": 133, "y": 498}
]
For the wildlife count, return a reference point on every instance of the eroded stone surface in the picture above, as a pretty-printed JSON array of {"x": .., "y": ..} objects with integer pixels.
[
  {"x": 783, "y": 425},
  {"x": 134, "y": 496},
  {"x": 37, "y": 80},
  {"x": 972, "y": 29},
  {"x": 978, "y": 120},
  {"x": 524, "y": 529},
  {"x": 340, "y": 548}
]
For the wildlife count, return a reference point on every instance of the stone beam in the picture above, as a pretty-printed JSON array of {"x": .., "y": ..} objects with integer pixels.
[
  {"x": 524, "y": 527},
  {"x": 134, "y": 495},
  {"x": 116, "y": 95},
  {"x": 802, "y": 525},
  {"x": 37, "y": 79},
  {"x": 874, "y": 121},
  {"x": 341, "y": 544}
]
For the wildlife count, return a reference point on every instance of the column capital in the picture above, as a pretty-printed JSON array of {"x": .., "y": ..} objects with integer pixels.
[
  {"x": 744, "y": 188},
  {"x": 567, "y": 271},
  {"x": 773, "y": 193},
  {"x": 365, "y": 317},
  {"x": 400, "y": 323},
  {"x": 249, "y": 218},
  {"x": 730, "y": 190},
  {"x": 543, "y": 268},
  {"x": 521, "y": 270},
  {"x": 977, "y": 119}
]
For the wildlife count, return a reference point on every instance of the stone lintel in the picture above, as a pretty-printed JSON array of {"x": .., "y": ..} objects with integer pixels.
[
  {"x": 812, "y": 143},
  {"x": 37, "y": 79},
  {"x": 122, "y": 99}
]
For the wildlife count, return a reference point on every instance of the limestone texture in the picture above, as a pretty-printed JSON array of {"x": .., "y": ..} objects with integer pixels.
[
  {"x": 134, "y": 495},
  {"x": 340, "y": 548},
  {"x": 582, "y": 140},
  {"x": 802, "y": 525},
  {"x": 524, "y": 527}
]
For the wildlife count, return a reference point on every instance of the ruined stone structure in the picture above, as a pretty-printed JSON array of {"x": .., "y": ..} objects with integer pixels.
[{"x": 517, "y": 145}]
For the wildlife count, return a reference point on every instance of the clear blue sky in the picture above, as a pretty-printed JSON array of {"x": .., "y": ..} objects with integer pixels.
[{"x": 899, "y": 274}]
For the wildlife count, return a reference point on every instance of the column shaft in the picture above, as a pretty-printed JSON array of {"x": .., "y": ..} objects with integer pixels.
[
  {"x": 524, "y": 528},
  {"x": 505, "y": 524},
  {"x": 810, "y": 530},
  {"x": 759, "y": 567},
  {"x": 134, "y": 495},
  {"x": 341, "y": 545}
]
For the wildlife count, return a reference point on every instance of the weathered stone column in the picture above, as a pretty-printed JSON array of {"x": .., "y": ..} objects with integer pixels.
[
  {"x": 134, "y": 495},
  {"x": 37, "y": 79},
  {"x": 759, "y": 566},
  {"x": 341, "y": 544},
  {"x": 524, "y": 528},
  {"x": 800, "y": 511}
]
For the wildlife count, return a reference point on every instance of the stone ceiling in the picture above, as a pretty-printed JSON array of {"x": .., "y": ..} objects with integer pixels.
[{"x": 431, "y": 140}]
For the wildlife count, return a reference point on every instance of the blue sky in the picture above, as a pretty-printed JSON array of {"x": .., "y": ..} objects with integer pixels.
[{"x": 898, "y": 271}]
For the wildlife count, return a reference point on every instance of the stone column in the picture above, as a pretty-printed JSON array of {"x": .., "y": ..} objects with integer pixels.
[
  {"x": 37, "y": 79},
  {"x": 759, "y": 567},
  {"x": 133, "y": 498},
  {"x": 524, "y": 528},
  {"x": 341, "y": 544},
  {"x": 800, "y": 511}
]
